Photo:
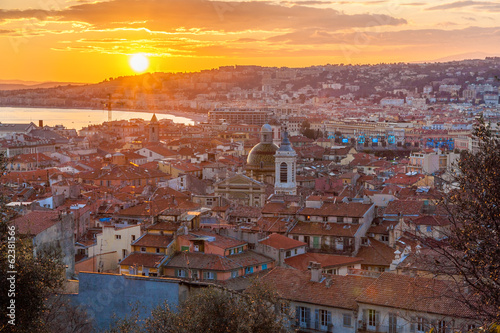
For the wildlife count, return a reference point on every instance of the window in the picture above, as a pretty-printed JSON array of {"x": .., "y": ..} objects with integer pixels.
[
  {"x": 340, "y": 219},
  {"x": 180, "y": 273},
  {"x": 429, "y": 228},
  {"x": 133, "y": 238},
  {"x": 308, "y": 218},
  {"x": 209, "y": 276},
  {"x": 384, "y": 238},
  {"x": 355, "y": 220},
  {"x": 143, "y": 249},
  {"x": 324, "y": 319},
  {"x": 124, "y": 253},
  {"x": 441, "y": 326},
  {"x": 306, "y": 239},
  {"x": 325, "y": 218},
  {"x": 303, "y": 316},
  {"x": 248, "y": 270},
  {"x": 157, "y": 250},
  {"x": 373, "y": 317},
  {"x": 420, "y": 324},
  {"x": 418, "y": 228},
  {"x": 195, "y": 274},
  {"x": 118, "y": 236},
  {"x": 234, "y": 274},
  {"x": 264, "y": 266},
  {"x": 288, "y": 254},
  {"x": 295, "y": 251},
  {"x": 283, "y": 172},
  {"x": 347, "y": 320},
  {"x": 296, "y": 237}
]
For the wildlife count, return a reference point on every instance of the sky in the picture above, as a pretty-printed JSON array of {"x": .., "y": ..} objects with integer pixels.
[{"x": 89, "y": 41}]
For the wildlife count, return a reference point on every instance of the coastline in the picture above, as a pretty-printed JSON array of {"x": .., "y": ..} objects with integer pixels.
[{"x": 193, "y": 116}]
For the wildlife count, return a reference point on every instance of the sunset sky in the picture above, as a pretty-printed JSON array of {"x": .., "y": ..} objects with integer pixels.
[{"x": 88, "y": 41}]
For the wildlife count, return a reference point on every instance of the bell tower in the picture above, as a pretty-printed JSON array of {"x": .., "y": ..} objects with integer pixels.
[
  {"x": 285, "y": 168},
  {"x": 154, "y": 129}
]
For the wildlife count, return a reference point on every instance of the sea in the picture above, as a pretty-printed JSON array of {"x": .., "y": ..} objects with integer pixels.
[{"x": 77, "y": 118}]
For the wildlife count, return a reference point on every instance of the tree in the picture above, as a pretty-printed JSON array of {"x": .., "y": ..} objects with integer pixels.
[
  {"x": 215, "y": 310},
  {"x": 470, "y": 256},
  {"x": 28, "y": 290}
]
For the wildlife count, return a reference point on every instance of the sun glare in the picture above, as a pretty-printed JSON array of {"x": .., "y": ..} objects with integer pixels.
[{"x": 139, "y": 62}]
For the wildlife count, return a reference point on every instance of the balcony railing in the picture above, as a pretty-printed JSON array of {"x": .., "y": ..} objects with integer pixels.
[{"x": 381, "y": 328}]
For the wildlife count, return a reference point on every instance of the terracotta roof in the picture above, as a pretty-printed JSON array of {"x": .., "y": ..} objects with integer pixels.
[
  {"x": 279, "y": 208},
  {"x": 35, "y": 222},
  {"x": 152, "y": 240},
  {"x": 297, "y": 286},
  {"x": 220, "y": 241},
  {"x": 376, "y": 254},
  {"x": 270, "y": 224},
  {"x": 278, "y": 241},
  {"x": 204, "y": 261},
  {"x": 165, "y": 226},
  {"x": 143, "y": 259},
  {"x": 431, "y": 220},
  {"x": 301, "y": 262},
  {"x": 352, "y": 209},
  {"x": 404, "y": 207},
  {"x": 383, "y": 227},
  {"x": 325, "y": 229},
  {"x": 414, "y": 293}
]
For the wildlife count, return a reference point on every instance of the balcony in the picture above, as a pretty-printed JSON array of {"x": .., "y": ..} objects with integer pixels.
[{"x": 381, "y": 329}]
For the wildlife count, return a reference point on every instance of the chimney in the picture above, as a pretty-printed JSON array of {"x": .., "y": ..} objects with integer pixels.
[
  {"x": 40, "y": 123},
  {"x": 316, "y": 275}
]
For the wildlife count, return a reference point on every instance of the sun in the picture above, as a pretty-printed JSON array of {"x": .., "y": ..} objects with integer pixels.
[{"x": 139, "y": 62}]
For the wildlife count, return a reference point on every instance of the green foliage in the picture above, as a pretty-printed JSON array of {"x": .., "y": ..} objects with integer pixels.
[{"x": 213, "y": 310}]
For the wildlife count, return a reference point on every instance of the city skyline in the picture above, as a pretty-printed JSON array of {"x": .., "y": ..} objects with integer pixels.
[{"x": 81, "y": 41}]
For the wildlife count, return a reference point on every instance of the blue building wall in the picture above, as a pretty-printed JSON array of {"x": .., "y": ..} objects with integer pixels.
[{"x": 105, "y": 295}]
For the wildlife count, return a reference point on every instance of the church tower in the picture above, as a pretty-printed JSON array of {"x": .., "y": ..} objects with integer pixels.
[
  {"x": 154, "y": 130},
  {"x": 285, "y": 168}
]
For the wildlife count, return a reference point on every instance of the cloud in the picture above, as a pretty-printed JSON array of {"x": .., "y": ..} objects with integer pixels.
[
  {"x": 169, "y": 15},
  {"x": 478, "y": 5}
]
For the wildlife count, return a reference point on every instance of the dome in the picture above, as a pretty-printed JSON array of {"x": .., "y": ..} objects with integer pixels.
[
  {"x": 266, "y": 128},
  {"x": 262, "y": 152}
]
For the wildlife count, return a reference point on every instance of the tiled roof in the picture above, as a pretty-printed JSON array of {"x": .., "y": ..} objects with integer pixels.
[
  {"x": 278, "y": 241},
  {"x": 270, "y": 224},
  {"x": 431, "y": 220},
  {"x": 279, "y": 208},
  {"x": 414, "y": 293},
  {"x": 383, "y": 227},
  {"x": 404, "y": 207},
  {"x": 143, "y": 259},
  {"x": 220, "y": 241},
  {"x": 165, "y": 226},
  {"x": 352, "y": 209},
  {"x": 198, "y": 260},
  {"x": 297, "y": 286},
  {"x": 153, "y": 240},
  {"x": 377, "y": 253},
  {"x": 325, "y": 229},
  {"x": 35, "y": 222},
  {"x": 301, "y": 262}
]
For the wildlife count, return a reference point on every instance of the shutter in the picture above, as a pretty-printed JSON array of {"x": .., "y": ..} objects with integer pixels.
[
  {"x": 308, "y": 317},
  {"x": 215, "y": 276},
  {"x": 204, "y": 275},
  {"x": 297, "y": 315},
  {"x": 412, "y": 325},
  {"x": 316, "y": 319},
  {"x": 377, "y": 318},
  {"x": 329, "y": 321},
  {"x": 365, "y": 316}
]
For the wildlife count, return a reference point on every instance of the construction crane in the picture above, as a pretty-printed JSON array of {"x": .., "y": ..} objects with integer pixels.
[{"x": 110, "y": 118}]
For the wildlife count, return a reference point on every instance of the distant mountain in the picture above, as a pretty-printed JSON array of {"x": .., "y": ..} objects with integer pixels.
[
  {"x": 19, "y": 84},
  {"x": 463, "y": 56}
]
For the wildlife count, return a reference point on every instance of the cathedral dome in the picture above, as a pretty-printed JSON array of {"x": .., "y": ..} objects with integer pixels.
[{"x": 262, "y": 155}]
